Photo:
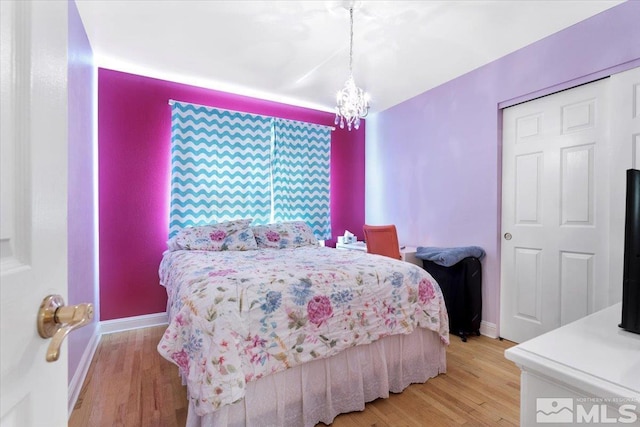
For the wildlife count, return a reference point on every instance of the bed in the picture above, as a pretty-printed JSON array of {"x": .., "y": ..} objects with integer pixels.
[{"x": 296, "y": 334}]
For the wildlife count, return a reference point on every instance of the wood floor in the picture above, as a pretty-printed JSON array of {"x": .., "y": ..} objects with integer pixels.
[{"x": 130, "y": 384}]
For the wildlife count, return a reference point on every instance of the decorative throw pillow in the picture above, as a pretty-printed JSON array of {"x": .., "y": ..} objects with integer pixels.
[
  {"x": 282, "y": 235},
  {"x": 233, "y": 235}
]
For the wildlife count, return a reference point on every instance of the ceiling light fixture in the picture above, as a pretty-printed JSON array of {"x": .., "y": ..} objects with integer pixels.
[{"x": 353, "y": 102}]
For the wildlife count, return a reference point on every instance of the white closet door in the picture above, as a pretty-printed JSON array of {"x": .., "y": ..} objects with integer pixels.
[{"x": 555, "y": 215}]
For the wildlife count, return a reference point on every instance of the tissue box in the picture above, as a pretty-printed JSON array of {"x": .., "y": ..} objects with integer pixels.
[{"x": 347, "y": 238}]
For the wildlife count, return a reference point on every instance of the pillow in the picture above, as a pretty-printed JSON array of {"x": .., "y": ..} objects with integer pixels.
[
  {"x": 282, "y": 235},
  {"x": 233, "y": 235}
]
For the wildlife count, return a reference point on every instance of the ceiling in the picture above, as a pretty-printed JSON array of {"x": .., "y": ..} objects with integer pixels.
[{"x": 297, "y": 52}]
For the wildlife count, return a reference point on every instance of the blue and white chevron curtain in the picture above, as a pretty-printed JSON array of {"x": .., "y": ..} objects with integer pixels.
[
  {"x": 300, "y": 174},
  {"x": 219, "y": 166}
]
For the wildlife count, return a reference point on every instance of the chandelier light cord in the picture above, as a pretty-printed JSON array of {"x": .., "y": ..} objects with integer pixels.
[{"x": 351, "y": 41}]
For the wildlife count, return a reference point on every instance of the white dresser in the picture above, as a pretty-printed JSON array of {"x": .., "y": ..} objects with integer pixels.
[
  {"x": 408, "y": 253},
  {"x": 586, "y": 372}
]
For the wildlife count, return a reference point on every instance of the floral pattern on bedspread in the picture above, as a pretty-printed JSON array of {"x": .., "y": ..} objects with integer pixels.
[{"x": 238, "y": 316}]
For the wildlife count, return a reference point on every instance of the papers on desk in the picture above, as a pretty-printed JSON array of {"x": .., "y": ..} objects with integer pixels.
[{"x": 359, "y": 246}]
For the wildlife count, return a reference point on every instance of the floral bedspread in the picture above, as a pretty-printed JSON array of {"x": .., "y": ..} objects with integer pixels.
[{"x": 236, "y": 316}]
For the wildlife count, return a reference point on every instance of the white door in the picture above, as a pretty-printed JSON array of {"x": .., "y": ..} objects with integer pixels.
[
  {"x": 625, "y": 154},
  {"x": 33, "y": 232},
  {"x": 555, "y": 215}
]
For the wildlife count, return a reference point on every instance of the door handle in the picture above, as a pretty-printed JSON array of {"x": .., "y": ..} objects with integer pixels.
[
  {"x": 507, "y": 236},
  {"x": 56, "y": 320}
]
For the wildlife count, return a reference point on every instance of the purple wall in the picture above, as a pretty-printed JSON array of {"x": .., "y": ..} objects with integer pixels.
[
  {"x": 82, "y": 286},
  {"x": 134, "y": 167},
  {"x": 443, "y": 147}
]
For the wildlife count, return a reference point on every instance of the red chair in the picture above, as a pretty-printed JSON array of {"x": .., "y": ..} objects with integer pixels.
[{"x": 382, "y": 240}]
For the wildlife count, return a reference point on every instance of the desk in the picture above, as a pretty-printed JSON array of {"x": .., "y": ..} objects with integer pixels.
[
  {"x": 408, "y": 253},
  {"x": 590, "y": 362}
]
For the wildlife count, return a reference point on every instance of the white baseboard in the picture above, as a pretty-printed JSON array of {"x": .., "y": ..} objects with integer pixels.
[
  {"x": 135, "y": 322},
  {"x": 75, "y": 385},
  {"x": 488, "y": 329}
]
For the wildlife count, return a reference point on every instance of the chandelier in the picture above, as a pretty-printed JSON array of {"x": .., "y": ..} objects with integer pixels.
[{"x": 353, "y": 102}]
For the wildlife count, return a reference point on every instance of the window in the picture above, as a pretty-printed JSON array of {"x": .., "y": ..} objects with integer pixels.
[
  {"x": 300, "y": 169},
  {"x": 228, "y": 165}
]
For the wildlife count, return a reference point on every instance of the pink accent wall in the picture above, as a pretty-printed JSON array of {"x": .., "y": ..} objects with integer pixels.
[{"x": 134, "y": 121}]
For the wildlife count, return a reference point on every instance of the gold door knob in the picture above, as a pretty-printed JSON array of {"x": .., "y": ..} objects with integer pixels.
[{"x": 57, "y": 320}]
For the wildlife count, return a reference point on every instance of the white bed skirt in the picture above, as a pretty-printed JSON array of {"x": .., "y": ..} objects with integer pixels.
[{"x": 319, "y": 390}]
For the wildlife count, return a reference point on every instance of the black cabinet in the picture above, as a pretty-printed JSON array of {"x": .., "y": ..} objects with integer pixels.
[{"x": 461, "y": 286}]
